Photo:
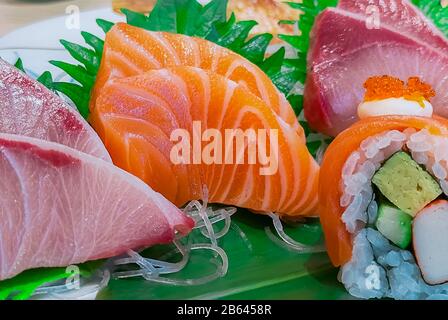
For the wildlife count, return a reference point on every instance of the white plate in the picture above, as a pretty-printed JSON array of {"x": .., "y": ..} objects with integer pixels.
[{"x": 38, "y": 43}]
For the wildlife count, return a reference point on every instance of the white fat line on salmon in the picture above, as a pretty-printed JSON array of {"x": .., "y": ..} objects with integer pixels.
[{"x": 210, "y": 146}]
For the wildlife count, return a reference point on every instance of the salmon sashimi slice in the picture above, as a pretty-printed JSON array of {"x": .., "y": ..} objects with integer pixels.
[
  {"x": 338, "y": 240},
  {"x": 30, "y": 109},
  {"x": 136, "y": 117},
  {"x": 130, "y": 51},
  {"x": 60, "y": 206}
]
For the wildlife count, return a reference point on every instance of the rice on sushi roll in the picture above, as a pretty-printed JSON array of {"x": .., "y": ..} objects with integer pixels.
[{"x": 383, "y": 195}]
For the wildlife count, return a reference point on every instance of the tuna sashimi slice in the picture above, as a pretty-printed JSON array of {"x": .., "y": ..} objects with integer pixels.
[
  {"x": 400, "y": 16},
  {"x": 60, "y": 206},
  {"x": 345, "y": 53},
  {"x": 28, "y": 108}
]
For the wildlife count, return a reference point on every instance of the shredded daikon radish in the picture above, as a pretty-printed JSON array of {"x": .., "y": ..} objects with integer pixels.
[
  {"x": 147, "y": 270},
  {"x": 217, "y": 216},
  {"x": 202, "y": 211},
  {"x": 213, "y": 216},
  {"x": 161, "y": 267},
  {"x": 205, "y": 218},
  {"x": 80, "y": 288},
  {"x": 242, "y": 236},
  {"x": 288, "y": 241},
  {"x": 224, "y": 230}
]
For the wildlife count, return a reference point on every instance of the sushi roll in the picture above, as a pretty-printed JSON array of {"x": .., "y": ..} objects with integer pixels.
[{"x": 383, "y": 195}]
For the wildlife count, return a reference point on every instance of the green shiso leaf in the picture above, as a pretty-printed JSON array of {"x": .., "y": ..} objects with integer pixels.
[
  {"x": 77, "y": 94},
  {"x": 255, "y": 48},
  {"x": 77, "y": 72},
  {"x": 233, "y": 34},
  {"x": 273, "y": 64},
  {"x": 104, "y": 25},
  {"x": 187, "y": 17},
  {"x": 89, "y": 58},
  {"x": 214, "y": 12},
  {"x": 85, "y": 72},
  {"x": 24, "y": 285},
  {"x": 46, "y": 79},
  {"x": 19, "y": 65},
  {"x": 138, "y": 20},
  {"x": 96, "y": 43}
]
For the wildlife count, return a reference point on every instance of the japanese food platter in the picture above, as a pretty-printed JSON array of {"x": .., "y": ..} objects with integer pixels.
[{"x": 190, "y": 150}]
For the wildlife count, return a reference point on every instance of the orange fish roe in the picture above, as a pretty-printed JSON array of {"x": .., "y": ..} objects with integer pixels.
[{"x": 385, "y": 87}]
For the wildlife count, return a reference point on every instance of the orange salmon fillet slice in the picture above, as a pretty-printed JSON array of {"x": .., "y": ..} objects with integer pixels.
[
  {"x": 130, "y": 51},
  {"x": 135, "y": 117}
]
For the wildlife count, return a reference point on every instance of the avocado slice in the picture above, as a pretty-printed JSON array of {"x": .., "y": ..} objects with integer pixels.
[
  {"x": 394, "y": 224},
  {"x": 407, "y": 185}
]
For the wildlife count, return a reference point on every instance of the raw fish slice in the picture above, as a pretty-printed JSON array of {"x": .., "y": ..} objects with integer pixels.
[
  {"x": 28, "y": 108},
  {"x": 402, "y": 17},
  {"x": 136, "y": 116},
  {"x": 344, "y": 54},
  {"x": 130, "y": 51},
  {"x": 60, "y": 206}
]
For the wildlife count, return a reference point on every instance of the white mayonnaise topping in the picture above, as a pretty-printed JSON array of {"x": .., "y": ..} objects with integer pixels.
[{"x": 394, "y": 106}]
